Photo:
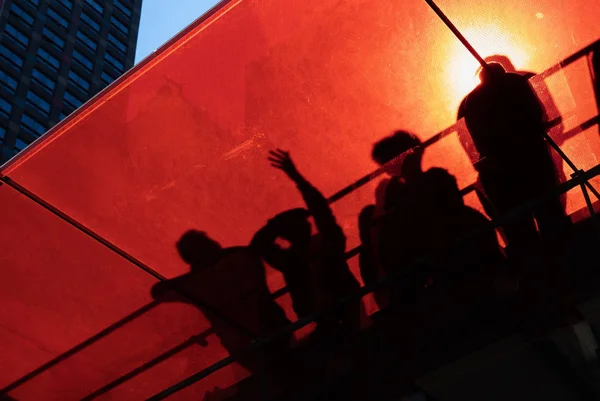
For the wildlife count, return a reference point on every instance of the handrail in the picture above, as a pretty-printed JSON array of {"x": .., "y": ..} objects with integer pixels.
[
  {"x": 86, "y": 230},
  {"x": 447, "y": 131},
  {"x": 139, "y": 370},
  {"x": 78, "y": 347},
  {"x": 578, "y": 180},
  {"x": 333, "y": 198}
]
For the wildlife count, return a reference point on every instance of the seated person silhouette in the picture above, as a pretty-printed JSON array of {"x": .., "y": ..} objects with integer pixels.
[
  {"x": 322, "y": 255},
  {"x": 505, "y": 120},
  {"x": 423, "y": 215},
  {"x": 232, "y": 282}
]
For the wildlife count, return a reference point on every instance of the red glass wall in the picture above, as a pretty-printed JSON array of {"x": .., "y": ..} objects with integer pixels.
[{"x": 181, "y": 141}]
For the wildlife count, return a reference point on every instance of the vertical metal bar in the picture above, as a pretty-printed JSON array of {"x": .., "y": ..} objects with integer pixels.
[
  {"x": 572, "y": 165},
  {"x": 593, "y": 214},
  {"x": 594, "y": 66},
  {"x": 481, "y": 61},
  {"x": 456, "y": 32}
]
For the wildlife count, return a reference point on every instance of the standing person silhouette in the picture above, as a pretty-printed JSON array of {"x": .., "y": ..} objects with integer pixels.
[
  {"x": 506, "y": 123},
  {"x": 331, "y": 275},
  {"x": 231, "y": 281},
  {"x": 294, "y": 261},
  {"x": 424, "y": 212},
  {"x": 550, "y": 109},
  {"x": 370, "y": 267}
]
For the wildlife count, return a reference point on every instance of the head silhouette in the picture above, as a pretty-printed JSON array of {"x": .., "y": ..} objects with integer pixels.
[
  {"x": 198, "y": 250},
  {"x": 293, "y": 226},
  {"x": 492, "y": 71},
  {"x": 503, "y": 60},
  {"x": 399, "y": 143}
]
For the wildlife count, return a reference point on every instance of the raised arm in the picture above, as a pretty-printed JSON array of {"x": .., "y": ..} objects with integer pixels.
[{"x": 316, "y": 203}]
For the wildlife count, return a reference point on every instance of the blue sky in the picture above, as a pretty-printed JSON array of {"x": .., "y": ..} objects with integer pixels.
[{"x": 162, "y": 19}]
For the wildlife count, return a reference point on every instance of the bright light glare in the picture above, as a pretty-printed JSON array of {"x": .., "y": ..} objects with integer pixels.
[{"x": 462, "y": 66}]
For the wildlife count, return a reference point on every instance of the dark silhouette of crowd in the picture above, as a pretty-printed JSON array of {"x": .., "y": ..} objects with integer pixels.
[{"x": 431, "y": 259}]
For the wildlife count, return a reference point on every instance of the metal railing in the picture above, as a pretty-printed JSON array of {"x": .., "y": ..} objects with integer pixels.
[
  {"x": 579, "y": 178},
  {"x": 258, "y": 344}
]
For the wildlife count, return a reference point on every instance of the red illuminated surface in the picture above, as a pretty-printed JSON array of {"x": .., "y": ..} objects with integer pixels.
[{"x": 181, "y": 143}]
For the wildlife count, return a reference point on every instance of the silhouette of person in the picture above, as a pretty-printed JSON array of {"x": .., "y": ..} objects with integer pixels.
[
  {"x": 294, "y": 261},
  {"x": 424, "y": 212},
  {"x": 505, "y": 120},
  {"x": 368, "y": 262},
  {"x": 231, "y": 281},
  {"x": 551, "y": 112},
  {"x": 331, "y": 276}
]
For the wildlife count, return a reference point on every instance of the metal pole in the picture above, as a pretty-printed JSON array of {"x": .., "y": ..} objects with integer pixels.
[
  {"x": 456, "y": 32},
  {"x": 481, "y": 61}
]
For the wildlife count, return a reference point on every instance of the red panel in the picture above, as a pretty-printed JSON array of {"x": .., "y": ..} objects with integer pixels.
[
  {"x": 60, "y": 288},
  {"x": 181, "y": 143}
]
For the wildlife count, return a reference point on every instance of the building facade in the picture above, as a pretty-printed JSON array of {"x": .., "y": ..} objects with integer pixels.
[{"x": 54, "y": 56}]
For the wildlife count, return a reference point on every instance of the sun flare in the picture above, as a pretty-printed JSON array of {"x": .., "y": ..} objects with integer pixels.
[{"x": 487, "y": 40}]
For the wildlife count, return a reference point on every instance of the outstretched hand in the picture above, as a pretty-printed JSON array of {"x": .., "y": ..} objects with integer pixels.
[{"x": 281, "y": 160}]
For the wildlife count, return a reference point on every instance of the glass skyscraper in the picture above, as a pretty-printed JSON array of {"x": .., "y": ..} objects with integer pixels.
[{"x": 54, "y": 56}]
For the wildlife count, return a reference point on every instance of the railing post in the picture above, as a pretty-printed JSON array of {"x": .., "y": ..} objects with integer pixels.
[
  {"x": 595, "y": 73},
  {"x": 588, "y": 201}
]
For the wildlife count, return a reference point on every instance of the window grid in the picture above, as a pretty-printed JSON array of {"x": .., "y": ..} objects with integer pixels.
[
  {"x": 114, "y": 62},
  {"x": 20, "y": 145},
  {"x": 40, "y": 104},
  {"x": 86, "y": 41},
  {"x": 67, "y": 4},
  {"x": 17, "y": 35},
  {"x": 5, "y": 107},
  {"x": 90, "y": 22},
  {"x": 44, "y": 81},
  {"x": 117, "y": 24},
  {"x": 25, "y": 16},
  {"x": 117, "y": 43},
  {"x": 97, "y": 7},
  {"x": 79, "y": 81},
  {"x": 10, "y": 56},
  {"x": 83, "y": 60},
  {"x": 121, "y": 7},
  {"x": 8, "y": 82},
  {"x": 53, "y": 38},
  {"x": 107, "y": 79},
  {"x": 48, "y": 59},
  {"x": 71, "y": 100},
  {"x": 32, "y": 124},
  {"x": 57, "y": 18}
]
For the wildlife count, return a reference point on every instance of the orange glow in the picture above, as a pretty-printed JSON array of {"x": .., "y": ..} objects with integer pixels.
[
  {"x": 180, "y": 142},
  {"x": 462, "y": 67}
]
